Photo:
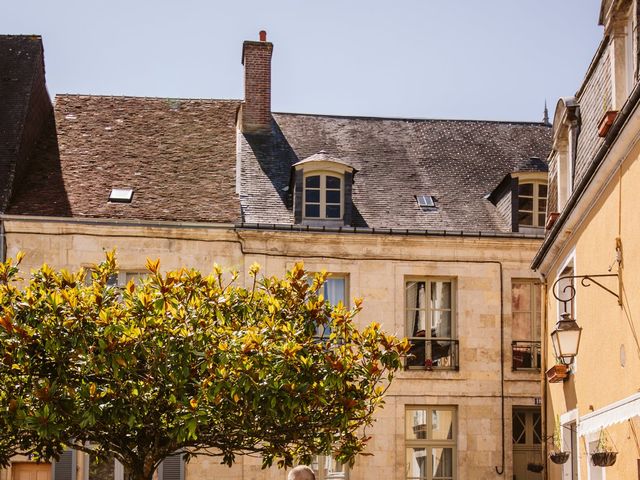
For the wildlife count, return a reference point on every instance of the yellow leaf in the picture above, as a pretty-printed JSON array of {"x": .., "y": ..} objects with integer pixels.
[
  {"x": 19, "y": 256},
  {"x": 153, "y": 266},
  {"x": 236, "y": 398},
  {"x": 92, "y": 389},
  {"x": 194, "y": 403}
]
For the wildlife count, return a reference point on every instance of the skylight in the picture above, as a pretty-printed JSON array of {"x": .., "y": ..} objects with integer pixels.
[
  {"x": 425, "y": 201},
  {"x": 121, "y": 195}
]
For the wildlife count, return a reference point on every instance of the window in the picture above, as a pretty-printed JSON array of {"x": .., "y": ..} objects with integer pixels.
[
  {"x": 102, "y": 469},
  {"x": 121, "y": 195},
  {"x": 119, "y": 279},
  {"x": 532, "y": 204},
  {"x": 323, "y": 196},
  {"x": 326, "y": 468},
  {"x": 430, "y": 326},
  {"x": 334, "y": 291},
  {"x": 525, "y": 325},
  {"x": 430, "y": 442}
]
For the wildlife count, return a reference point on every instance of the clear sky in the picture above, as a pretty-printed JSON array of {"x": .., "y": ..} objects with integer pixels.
[{"x": 476, "y": 59}]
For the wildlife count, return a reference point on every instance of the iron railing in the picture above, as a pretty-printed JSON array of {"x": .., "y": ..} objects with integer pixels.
[{"x": 432, "y": 354}]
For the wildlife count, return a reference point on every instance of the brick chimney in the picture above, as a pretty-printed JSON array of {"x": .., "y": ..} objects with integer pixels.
[{"x": 255, "y": 117}]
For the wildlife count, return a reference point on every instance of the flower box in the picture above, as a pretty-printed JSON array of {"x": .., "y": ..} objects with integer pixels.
[
  {"x": 606, "y": 122},
  {"x": 551, "y": 220},
  {"x": 557, "y": 373}
]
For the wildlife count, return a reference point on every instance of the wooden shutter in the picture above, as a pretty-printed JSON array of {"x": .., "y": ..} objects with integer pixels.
[
  {"x": 65, "y": 468},
  {"x": 171, "y": 468}
]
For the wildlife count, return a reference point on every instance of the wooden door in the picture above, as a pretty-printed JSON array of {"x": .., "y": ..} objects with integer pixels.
[{"x": 31, "y": 471}]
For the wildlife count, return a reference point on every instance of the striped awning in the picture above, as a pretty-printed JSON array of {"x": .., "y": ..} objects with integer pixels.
[{"x": 617, "y": 412}]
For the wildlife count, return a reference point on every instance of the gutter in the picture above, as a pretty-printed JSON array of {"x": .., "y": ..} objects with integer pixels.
[
  {"x": 600, "y": 156},
  {"x": 385, "y": 231}
]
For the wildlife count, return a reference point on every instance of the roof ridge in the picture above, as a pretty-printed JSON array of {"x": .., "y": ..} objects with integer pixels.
[
  {"x": 142, "y": 97},
  {"x": 414, "y": 119}
]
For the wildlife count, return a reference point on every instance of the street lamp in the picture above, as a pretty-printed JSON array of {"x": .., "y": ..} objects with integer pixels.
[{"x": 566, "y": 338}]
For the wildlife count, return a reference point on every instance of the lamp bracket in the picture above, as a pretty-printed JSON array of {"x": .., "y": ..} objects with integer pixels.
[{"x": 586, "y": 281}]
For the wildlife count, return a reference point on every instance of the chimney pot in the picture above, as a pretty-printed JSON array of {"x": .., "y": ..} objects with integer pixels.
[{"x": 263, "y": 36}]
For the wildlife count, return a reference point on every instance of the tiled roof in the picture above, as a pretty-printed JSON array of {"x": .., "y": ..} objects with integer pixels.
[
  {"x": 178, "y": 156},
  {"x": 20, "y": 58},
  {"x": 458, "y": 162}
]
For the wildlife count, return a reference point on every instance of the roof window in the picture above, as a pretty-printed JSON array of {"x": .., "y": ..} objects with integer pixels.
[
  {"x": 121, "y": 195},
  {"x": 426, "y": 202}
]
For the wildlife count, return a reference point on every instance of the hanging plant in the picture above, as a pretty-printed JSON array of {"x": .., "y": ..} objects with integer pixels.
[
  {"x": 557, "y": 455},
  {"x": 535, "y": 467},
  {"x": 604, "y": 455}
]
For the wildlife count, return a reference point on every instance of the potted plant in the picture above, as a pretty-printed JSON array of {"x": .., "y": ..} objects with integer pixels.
[
  {"x": 608, "y": 118},
  {"x": 535, "y": 467},
  {"x": 557, "y": 455},
  {"x": 604, "y": 455},
  {"x": 558, "y": 373}
]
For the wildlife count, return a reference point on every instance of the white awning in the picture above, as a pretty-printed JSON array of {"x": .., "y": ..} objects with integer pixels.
[{"x": 617, "y": 412}]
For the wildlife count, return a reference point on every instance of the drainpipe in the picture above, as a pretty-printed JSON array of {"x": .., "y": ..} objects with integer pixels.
[
  {"x": 3, "y": 253},
  {"x": 543, "y": 381}
]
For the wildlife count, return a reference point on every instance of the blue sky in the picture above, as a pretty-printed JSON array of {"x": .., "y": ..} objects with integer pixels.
[{"x": 490, "y": 59}]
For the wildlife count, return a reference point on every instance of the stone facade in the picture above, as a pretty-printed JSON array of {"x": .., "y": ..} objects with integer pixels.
[{"x": 376, "y": 267}]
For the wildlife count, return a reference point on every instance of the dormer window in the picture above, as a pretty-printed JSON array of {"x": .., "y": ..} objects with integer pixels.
[
  {"x": 532, "y": 204},
  {"x": 323, "y": 196},
  {"x": 322, "y": 191}
]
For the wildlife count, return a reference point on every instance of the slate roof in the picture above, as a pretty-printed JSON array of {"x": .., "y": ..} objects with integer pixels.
[
  {"x": 458, "y": 162},
  {"x": 20, "y": 58},
  {"x": 178, "y": 156}
]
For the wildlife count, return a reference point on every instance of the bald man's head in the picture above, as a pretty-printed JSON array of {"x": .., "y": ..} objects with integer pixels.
[{"x": 301, "y": 473}]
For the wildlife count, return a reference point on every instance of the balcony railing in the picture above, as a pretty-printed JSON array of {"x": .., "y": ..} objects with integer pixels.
[
  {"x": 525, "y": 355},
  {"x": 433, "y": 354}
]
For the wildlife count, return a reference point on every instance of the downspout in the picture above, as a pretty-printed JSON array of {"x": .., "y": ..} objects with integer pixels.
[
  {"x": 543, "y": 382},
  {"x": 3, "y": 253},
  {"x": 501, "y": 470}
]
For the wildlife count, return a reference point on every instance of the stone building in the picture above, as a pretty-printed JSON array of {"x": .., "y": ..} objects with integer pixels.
[
  {"x": 433, "y": 222},
  {"x": 591, "y": 262}
]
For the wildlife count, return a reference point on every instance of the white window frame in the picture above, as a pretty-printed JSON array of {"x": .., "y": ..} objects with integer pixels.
[
  {"x": 566, "y": 419},
  {"x": 343, "y": 276},
  {"x": 568, "y": 264},
  {"x": 427, "y": 312},
  {"x": 429, "y": 443},
  {"x": 323, "y": 174},
  {"x": 536, "y": 198},
  {"x": 629, "y": 57},
  {"x": 326, "y": 468}
]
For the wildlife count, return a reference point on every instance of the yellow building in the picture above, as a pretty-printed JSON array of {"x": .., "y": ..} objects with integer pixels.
[
  {"x": 433, "y": 222},
  {"x": 590, "y": 260}
]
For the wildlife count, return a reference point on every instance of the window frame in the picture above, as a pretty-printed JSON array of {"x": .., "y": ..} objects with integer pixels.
[
  {"x": 322, "y": 203},
  {"x": 531, "y": 345},
  {"x": 536, "y": 198},
  {"x": 428, "y": 339},
  {"x": 332, "y": 276},
  {"x": 322, "y": 467},
  {"x": 430, "y": 443}
]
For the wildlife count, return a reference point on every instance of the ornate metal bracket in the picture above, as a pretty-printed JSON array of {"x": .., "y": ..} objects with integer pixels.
[{"x": 586, "y": 280}]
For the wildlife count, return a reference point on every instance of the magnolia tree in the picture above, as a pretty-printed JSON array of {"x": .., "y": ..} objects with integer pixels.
[{"x": 185, "y": 362}]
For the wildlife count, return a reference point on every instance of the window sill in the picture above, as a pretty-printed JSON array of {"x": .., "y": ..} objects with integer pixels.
[{"x": 323, "y": 222}]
